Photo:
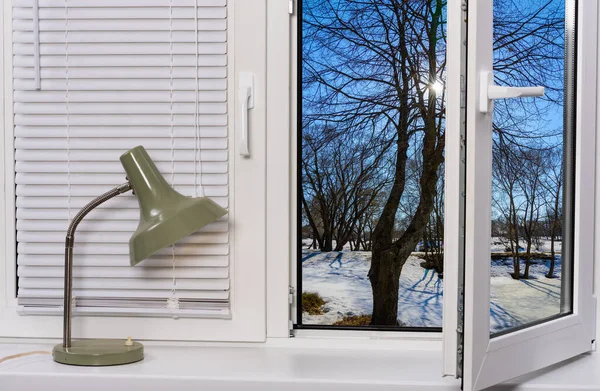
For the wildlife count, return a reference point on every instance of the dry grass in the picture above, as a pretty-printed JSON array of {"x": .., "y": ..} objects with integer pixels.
[
  {"x": 312, "y": 303},
  {"x": 354, "y": 320}
]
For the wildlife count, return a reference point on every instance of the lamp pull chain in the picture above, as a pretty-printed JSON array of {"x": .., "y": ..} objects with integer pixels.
[{"x": 173, "y": 300}]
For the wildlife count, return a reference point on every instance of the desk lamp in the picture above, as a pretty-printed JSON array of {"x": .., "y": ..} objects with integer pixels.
[{"x": 166, "y": 216}]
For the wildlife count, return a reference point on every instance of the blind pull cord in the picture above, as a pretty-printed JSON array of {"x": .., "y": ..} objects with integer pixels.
[
  {"x": 198, "y": 192},
  {"x": 36, "y": 44},
  {"x": 67, "y": 109},
  {"x": 68, "y": 121},
  {"x": 173, "y": 299}
]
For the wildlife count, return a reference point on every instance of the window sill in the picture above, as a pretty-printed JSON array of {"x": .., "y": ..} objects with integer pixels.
[{"x": 260, "y": 367}]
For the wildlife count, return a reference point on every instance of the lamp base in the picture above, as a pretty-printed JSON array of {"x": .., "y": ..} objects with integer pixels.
[{"x": 98, "y": 352}]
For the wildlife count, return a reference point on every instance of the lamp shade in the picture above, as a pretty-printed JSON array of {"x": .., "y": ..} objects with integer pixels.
[{"x": 166, "y": 216}]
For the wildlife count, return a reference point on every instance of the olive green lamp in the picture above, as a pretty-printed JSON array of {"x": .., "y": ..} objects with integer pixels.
[{"x": 166, "y": 216}]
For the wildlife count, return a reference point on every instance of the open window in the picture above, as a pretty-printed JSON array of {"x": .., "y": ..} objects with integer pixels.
[
  {"x": 370, "y": 167},
  {"x": 530, "y": 158}
]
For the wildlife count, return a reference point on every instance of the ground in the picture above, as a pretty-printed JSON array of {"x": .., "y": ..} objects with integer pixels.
[{"x": 341, "y": 279}]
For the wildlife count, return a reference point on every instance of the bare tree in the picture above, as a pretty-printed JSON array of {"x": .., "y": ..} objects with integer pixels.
[
  {"x": 341, "y": 179},
  {"x": 554, "y": 187},
  {"x": 532, "y": 176},
  {"x": 433, "y": 234},
  {"x": 506, "y": 173}
]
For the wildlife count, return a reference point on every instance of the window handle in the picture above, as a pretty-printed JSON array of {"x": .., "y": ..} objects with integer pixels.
[
  {"x": 246, "y": 101},
  {"x": 488, "y": 91}
]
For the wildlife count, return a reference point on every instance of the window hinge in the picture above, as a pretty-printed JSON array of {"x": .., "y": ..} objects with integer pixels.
[
  {"x": 291, "y": 7},
  {"x": 291, "y": 292}
]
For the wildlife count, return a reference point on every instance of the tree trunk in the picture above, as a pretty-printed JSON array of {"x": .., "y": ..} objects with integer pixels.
[
  {"x": 327, "y": 241},
  {"x": 385, "y": 282},
  {"x": 527, "y": 264},
  {"x": 389, "y": 255},
  {"x": 552, "y": 256},
  {"x": 528, "y": 256},
  {"x": 515, "y": 240},
  {"x": 553, "y": 234},
  {"x": 514, "y": 250}
]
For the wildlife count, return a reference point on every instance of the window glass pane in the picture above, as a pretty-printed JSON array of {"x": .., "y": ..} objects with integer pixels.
[
  {"x": 531, "y": 254},
  {"x": 371, "y": 161}
]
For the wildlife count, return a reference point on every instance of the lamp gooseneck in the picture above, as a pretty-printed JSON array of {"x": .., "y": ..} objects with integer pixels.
[{"x": 69, "y": 243}]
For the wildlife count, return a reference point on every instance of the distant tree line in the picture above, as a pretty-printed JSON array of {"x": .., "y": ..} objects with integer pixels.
[{"x": 527, "y": 199}]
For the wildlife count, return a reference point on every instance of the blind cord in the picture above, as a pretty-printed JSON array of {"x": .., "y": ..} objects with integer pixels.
[
  {"x": 197, "y": 152},
  {"x": 173, "y": 300},
  {"x": 67, "y": 109}
]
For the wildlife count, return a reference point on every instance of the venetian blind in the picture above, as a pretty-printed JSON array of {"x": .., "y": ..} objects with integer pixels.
[{"x": 111, "y": 75}]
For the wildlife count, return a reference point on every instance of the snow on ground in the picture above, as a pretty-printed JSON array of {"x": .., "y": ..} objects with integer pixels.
[
  {"x": 500, "y": 245},
  {"x": 341, "y": 279},
  {"x": 518, "y": 302}
]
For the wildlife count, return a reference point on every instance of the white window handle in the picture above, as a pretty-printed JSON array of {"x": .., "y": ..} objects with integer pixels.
[
  {"x": 246, "y": 101},
  {"x": 488, "y": 92}
]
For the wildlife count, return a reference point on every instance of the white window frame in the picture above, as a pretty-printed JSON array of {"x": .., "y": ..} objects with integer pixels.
[
  {"x": 282, "y": 201},
  {"x": 247, "y": 228}
]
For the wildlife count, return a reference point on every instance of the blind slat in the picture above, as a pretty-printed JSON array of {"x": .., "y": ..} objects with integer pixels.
[
  {"x": 141, "y": 12},
  {"x": 110, "y": 155},
  {"x": 122, "y": 36},
  {"x": 110, "y": 179},
  {"x": 90, "y": 225},
  {"x": 118, "y": 108},
  {"x": 124, "y": 272},
  {"x": 85, "y": 238},
  {"x": 94, "y": 190},
  {"x": 53, "y": 49},
  {"x": 119, "y": 3},
  {"x": 120, "y": 249},
  {"x": 122, "y": 260},
  {"x": 102, "y": 284},
  {"x": 197, "y": 294},
  {"x": 154, "y": 60},
  {"x": 132, "y": 132},
  {"x": 120, "y": 143},
  {"x": 121, "y": 97},
  {"x": 122, "y": 73},
  {"x": 119, "y": 85},
  {"x": 110, "y": 167}
]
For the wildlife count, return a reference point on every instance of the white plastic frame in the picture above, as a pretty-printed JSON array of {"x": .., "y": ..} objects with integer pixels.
[
  {"x": 247, "y": 39},
  {"x": 490, "y": 361}
]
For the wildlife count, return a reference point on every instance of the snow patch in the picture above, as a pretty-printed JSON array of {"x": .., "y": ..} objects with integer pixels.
[{"x": 341, "y": 279}]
